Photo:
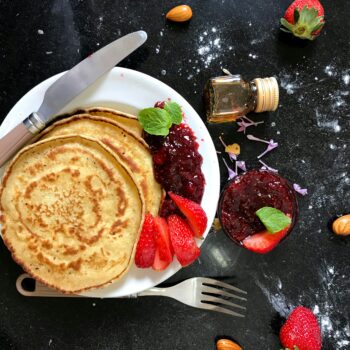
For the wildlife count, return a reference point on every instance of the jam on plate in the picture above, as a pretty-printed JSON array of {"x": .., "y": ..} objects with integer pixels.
[{"x": 177, "y": 165}]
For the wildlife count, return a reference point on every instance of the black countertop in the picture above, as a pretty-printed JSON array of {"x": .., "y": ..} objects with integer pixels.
[{"x": 39, "y": 39}]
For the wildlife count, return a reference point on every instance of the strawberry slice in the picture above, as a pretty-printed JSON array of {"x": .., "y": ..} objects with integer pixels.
[
  {"x": 182, "y": 240},
  {"x": 164, "y": 254},
  {"x": 194, "y": 213},
  {"x": 263, "y": 242},
  {"x": 158, "y": 264},
  {"x": 146, "y": 246}
]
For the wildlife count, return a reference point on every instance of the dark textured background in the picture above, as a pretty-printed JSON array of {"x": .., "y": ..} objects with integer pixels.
[{"x": 312, "y": 127}]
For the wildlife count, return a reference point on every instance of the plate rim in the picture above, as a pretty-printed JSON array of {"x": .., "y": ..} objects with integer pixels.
[{"x": 215, "y": 172}]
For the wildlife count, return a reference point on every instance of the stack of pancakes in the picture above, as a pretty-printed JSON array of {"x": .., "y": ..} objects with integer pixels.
[{"x": 72, "y": 204}]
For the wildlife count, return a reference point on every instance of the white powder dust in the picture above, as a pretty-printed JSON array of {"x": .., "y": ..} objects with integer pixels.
[
  {"x": 330, "y": 71},
  {"x": 323, "y": 122},
  {"x": 40, "y": 32},
  {"x": 209, "y": 46},
  {"x": 346, "y": 79},
  {"x": 289, "y": 84}
]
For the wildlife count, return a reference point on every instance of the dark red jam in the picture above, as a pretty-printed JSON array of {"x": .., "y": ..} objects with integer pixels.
[
  {"x": 177, "y": 165},
  {"x": 247, "y": 193}
]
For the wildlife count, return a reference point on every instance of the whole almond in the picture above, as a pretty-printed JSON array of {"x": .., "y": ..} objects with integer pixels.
[
  {"x": 181, "y": 13},
  {"x": 341, "y": 226},
  {"x": 226, "y": 344}
]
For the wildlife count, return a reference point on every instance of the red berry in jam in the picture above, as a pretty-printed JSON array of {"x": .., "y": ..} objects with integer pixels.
[
  {"x": 177, "y": 165},
  {"x": 246, "y": 194}
]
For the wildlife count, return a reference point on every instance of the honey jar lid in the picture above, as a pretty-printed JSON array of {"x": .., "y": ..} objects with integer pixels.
[{"x": 267, "y": 94}]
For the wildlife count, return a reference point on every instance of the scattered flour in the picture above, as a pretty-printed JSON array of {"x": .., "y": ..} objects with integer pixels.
[
  {"x": 278, "y": 301},
  {"x": 323, "y": 122},
  {"x": 329, "y": 70},
  {"x": 288, "y": 84},
  {"x": 163, "y": 72},
  {"x": 346, "y": 79},
  {"x": 332, "y": 146},
  {"x": 40, "y": 32},
  {"x": 209, "y": 46}
]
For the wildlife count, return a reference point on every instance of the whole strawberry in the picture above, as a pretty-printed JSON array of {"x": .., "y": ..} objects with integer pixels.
[
  {"x": 304, "y": 19},
  {"x": 301, "y": 331}
]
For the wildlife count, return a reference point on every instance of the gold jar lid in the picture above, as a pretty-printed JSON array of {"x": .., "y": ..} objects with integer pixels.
[{"x": 267, "y": 94}]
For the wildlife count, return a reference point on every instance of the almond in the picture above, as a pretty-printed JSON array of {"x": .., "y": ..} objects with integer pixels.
[
  {"x": 226, "y": 344},
  {"x": 341, "y": 226},
  {"x": 181, "y": 13}
]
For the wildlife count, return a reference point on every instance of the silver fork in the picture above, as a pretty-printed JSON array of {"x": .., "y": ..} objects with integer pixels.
[{"x": 199, "y": 292}]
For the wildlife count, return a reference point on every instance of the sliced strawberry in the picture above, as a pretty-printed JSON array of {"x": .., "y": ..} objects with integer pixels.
[
  {"x": 146, "y": 246},
  {"x": 164, "y": 255},
  {"x": 194, "y": 213},
  {"x": 158, "y": 264},
  {"x": 264, "y": 241},
  {"x": 182, "y": 240}
]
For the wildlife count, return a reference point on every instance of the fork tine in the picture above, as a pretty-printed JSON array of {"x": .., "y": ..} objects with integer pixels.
[
  {"x": 219, "y": 309},
  {"x": 213, "y": 290},
  {"x": 212, "y": 299},
  {"x": 222, "y": 285}
]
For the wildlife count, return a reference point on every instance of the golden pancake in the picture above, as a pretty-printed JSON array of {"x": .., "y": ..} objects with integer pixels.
[
  {"x": 128, "y": 121},
  {"x": 71, "y": 213},
  {"x": 132, "y": 151}
]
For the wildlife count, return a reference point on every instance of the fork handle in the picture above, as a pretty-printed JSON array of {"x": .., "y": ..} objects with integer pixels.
[{"x": 153, "y": 292}]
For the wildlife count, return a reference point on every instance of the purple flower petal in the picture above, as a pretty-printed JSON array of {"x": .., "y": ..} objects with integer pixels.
[
  {"x": 231, "y": 173},
  {"x": 302, "y": 191},
  {"x": 241, "y": 165},
  {"x": 253, "y": 138},
  {"x": 266, "y": 167},
  {"x": 269, "y": 148},
  {"x": 243, "y": 125},
  {"x": 232, "y": 156}
]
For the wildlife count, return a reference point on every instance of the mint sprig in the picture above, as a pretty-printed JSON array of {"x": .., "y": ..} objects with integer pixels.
[
  {"x": 273, "y": 219},
  {"x": 174, "y": 111},
  {"x": 158, "y": 121}
]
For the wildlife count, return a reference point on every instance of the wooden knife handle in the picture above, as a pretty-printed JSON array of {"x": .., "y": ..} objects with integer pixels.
[{"x": 12, "y": 142}]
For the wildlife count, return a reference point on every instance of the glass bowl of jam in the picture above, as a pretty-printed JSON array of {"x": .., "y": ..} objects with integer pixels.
[{"x": 246, "y": 194}]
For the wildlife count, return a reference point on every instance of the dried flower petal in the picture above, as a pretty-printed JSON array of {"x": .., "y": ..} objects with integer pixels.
[
  {"x": 222, "y": 141},
  {"x": 243, "y": 125},
  {"x": 266, "y": 167},
  {"x": 253, "y": 138},
  {"x": 232, "y": 156},
  {"x": 231, "y": 173},
  {"x": 269, "y": 148},
  {"x": 241, "y": 165},
  {"x": 234, "y": 149},
  {"x": 302, "y": 191}
]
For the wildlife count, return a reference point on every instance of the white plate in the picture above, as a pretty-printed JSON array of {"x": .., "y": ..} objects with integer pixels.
[{"x": 130, "y": 91}]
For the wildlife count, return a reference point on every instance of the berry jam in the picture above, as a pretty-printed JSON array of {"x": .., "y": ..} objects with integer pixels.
[
  {"x": 246, "y": 194},
  {"x": 177, "y": 165}
]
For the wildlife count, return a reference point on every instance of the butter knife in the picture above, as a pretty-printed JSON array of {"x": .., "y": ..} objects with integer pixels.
[{"x": 63, "y": 90}]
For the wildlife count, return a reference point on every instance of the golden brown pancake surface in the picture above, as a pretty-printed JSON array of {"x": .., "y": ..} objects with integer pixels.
[
  {"x": 71, "y": 213},
  {"x": 132, "y": 151}
]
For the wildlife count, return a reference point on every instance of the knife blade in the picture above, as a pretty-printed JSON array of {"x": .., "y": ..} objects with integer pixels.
[{"x": 68, "y": 86}]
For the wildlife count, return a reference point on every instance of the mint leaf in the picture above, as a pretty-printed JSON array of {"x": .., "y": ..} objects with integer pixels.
[
  {"x": 155, "y": 121},
  {"x": 175, "y": 112},
  {"x": 273, "y": 219}
]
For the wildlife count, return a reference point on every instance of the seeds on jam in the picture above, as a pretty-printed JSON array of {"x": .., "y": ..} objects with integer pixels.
[{"x": 177, "y": 165}]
